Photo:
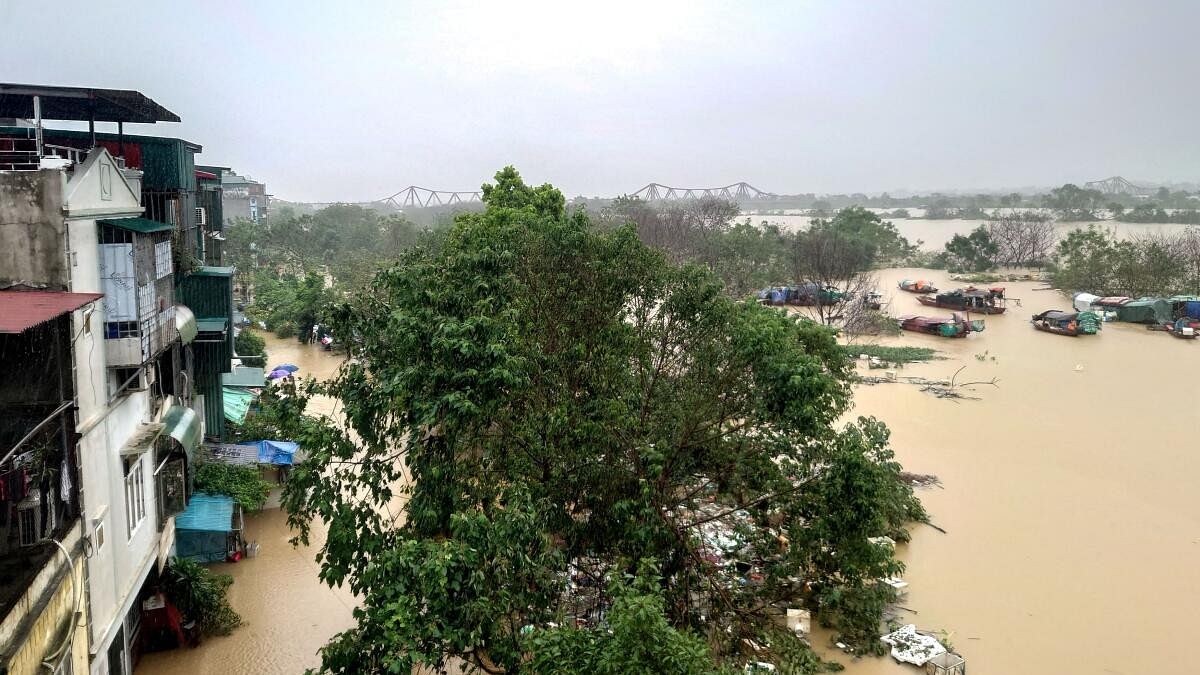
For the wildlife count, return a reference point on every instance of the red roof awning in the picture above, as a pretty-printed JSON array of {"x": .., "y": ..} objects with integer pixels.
[
  {"x": 206, "y": 175},
  {"x": 22, "y": 310}
]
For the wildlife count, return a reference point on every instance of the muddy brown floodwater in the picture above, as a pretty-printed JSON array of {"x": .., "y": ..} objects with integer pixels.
[
  {"x": 1073, "y": 535},
  {"x": 289, "y": 613}
]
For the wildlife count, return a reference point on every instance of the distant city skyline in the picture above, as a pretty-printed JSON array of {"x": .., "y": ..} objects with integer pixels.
[{"x": 353, "y": 103}]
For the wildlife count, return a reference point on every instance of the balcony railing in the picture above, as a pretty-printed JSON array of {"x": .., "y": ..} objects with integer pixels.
[{"x": 21, "y": 154}]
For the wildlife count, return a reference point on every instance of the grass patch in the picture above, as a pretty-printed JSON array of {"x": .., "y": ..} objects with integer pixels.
[{"x": 892, "y": 354}]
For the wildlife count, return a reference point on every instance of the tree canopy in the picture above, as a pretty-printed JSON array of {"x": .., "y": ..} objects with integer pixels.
[{"x": 548, "y": 423}]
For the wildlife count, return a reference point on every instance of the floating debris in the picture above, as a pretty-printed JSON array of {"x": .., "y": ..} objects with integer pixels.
[{"x": 911, "y": 646}]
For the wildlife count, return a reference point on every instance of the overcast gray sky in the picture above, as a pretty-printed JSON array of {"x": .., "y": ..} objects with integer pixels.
[{"x": 355, "y": 100}]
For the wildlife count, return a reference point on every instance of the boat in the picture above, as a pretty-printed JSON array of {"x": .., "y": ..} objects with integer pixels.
[
  {"x": 970, "y": 299},
  {"x": 917, "y": 286},
  {"x": 953, "y": 327},
  {"x": 1066, "y": 323},
  {"x": 1184, "y": 328}
]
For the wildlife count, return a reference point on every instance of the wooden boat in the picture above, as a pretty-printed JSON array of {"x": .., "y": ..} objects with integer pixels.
[
  {"x": 952, "y": 327},
  {"x": 1066, "y": 323},
  {"x": 917, "y": 286},
  {"x": 970, "y": 299},
  {"x": 1184, "y": 329}
]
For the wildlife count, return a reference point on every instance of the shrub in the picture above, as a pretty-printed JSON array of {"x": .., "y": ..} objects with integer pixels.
[
  {"x": 251, "y": 344},
  {"x": 201, "y": 595},
  {"x": 243, "y": 483}
]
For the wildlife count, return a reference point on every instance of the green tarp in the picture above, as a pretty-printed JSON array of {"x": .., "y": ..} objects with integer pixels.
[
  {"x": 237, "y": 403},
  {"x": 140, "y": 225},
  {"x": 1145, "y": 310}
]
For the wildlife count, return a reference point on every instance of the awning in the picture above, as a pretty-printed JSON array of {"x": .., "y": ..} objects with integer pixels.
[
  {"x": 245, "y": 377},
  {"x": 237, "y": 403},
  {"x": 212, "y": 325},
  {"x": 22, "y": 310},
  {"x": 142, "y": 439},
  {"x": 183, "y": 424},
  {"x": 185, "y": 322},
  {"x": 140, "y": 225}
]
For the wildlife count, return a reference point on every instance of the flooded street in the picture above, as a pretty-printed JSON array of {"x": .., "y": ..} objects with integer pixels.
[
  {"x": 289, "y": 614},
  {"x": 1073, "y": 537}
]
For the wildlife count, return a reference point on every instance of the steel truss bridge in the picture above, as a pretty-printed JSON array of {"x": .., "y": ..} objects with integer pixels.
[
  {"x": 1117, "y": 186},
  {"x": 735, "y": 191},
  {"x": 415, "y": 196}
]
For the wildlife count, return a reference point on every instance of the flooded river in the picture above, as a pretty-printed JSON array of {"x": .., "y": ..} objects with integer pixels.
[
  {"x": 1073, "y": 535},
  {"x": 289, "y": 613},
  {"x": 935, "y": 233}
]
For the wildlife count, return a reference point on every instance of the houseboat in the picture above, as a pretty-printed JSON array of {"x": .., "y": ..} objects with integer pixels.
[
  {"x": 1066, "y": 323},
  {"x": 953, "y": 327},
  {"x": 970, "y": 299}
]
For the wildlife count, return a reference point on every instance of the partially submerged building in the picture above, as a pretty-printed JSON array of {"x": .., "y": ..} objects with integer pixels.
[{"x": 109, "y": 374}]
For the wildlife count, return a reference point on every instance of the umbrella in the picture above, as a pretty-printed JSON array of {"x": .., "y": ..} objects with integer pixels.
[
  {"x": 287, "y": 366},
  {"x": 277, "y": 374}
]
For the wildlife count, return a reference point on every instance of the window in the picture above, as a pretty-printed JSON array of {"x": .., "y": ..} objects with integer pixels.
[
  {"x": 120, "y": 329},
  {"x": 135, "y": 494},
  {"x": 162, "y": 259}
]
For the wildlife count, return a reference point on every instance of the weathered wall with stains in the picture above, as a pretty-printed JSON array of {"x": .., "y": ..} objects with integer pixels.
[{"x": 32, "y": 229}]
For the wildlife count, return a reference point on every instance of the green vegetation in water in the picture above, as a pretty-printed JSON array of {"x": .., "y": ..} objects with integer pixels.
[
  {"x": 892, "y": 354},
  {"x": 244, "y": 483},
  {"x": 202, "y": 595}
]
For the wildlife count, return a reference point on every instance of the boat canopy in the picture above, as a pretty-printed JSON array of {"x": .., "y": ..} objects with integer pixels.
[
  {"x": 1145, "y": 310},
  {"x": 1083, "y": 301},
  {"x": 1057, "y": 315}
]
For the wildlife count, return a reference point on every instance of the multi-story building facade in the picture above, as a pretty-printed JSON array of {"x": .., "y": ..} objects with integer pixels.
[
  {"x": 77, "y": 222},
  {"x": 242, "y": 196}
]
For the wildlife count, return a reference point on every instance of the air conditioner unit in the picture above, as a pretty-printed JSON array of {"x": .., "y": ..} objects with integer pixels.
[
  {"x": 31, "y": 521},
  {"x": 201, "y": 216}
]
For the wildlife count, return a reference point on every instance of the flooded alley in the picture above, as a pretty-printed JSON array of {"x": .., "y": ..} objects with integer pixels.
[{"x": 289, "y": 613}]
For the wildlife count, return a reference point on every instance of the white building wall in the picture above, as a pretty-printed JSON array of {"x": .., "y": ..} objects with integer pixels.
[{"x": 118, "y": 566}]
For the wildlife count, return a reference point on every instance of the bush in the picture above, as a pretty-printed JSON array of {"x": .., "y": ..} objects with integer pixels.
[
  {"x": 285, "y": 329},
  {"x": 201, "y": 595},
  {"x": 249, "y": 344},
  {"x": 891, "y": 354},
  {"x": 243, "y": 483}
]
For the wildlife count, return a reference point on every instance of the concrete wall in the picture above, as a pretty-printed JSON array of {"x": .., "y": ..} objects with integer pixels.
[
  {"x": 118, "y": 567},
  {"x": 32, "y": 229},
  {"x": 39, "y": 623}
]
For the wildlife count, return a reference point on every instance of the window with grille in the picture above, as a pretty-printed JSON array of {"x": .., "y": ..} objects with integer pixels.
[
  {"x": 162, "y": 259},
  {"x": 135, "y": 494}
]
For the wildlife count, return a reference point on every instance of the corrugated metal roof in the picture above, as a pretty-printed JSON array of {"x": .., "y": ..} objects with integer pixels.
[
  {"x": 82, "y": 103},
  {"x": 142, "y": 225},
  {"x": 208, "y": 513},
  {"x": 22, "y": 310}
]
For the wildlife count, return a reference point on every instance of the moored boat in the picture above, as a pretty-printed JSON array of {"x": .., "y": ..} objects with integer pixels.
[
  {"x": 1184, "y": 328},
  {"x": 1066, "y": 323},
  {"x": 970, "y": 299},
  {"x": 952, "y": 327},
  {"x": 917, "y": 286}
]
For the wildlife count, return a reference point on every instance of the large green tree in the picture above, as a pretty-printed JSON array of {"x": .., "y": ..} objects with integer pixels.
[{"x": 538, "y": 409}]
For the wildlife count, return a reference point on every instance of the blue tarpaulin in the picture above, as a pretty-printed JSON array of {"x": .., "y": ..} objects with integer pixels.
[
  {"x": 1192, "y": 309},
  {"x": 276, "y": 452},
  {"x": 203, "y": 532}
]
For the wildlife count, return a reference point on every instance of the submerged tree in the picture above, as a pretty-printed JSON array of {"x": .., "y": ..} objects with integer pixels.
[{"x": 537, "y": 402}]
